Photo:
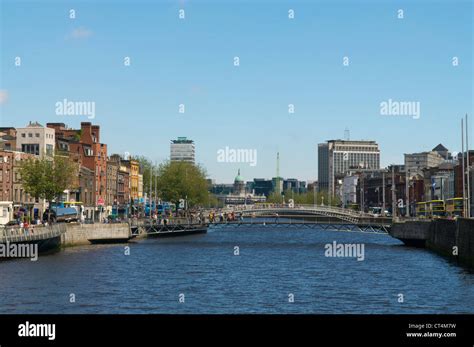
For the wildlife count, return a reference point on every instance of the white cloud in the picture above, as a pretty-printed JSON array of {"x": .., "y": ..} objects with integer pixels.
[
  {"x": 80, "y": 33},
  {"x": 3, "y": 96}
]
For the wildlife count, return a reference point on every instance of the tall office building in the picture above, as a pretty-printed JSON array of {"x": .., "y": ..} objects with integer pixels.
[
  {"x": 336, "y": 157},
  {"x": 323, "y": 167},
  {"x": 182, "y": 149}
]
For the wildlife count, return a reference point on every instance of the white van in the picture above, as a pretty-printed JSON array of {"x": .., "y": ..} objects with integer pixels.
[{"x": 6, "y": 212}]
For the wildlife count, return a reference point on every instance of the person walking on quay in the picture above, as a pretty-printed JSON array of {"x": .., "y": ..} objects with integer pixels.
[{"x": 26, "y": 226}]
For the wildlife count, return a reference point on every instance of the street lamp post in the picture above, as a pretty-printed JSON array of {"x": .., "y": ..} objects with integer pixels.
[
  {"x": 394, "y": 197},
  {"x": 468, "y": 173},
  {"x": 314, "y": 191},
  {"x": 156, "y": 191},
  {"x": 383, "y": 193},
  {"x": 407, "y": 190}
]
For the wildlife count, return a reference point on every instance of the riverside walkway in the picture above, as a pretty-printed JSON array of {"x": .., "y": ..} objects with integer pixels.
[{"x": 16, "y": 234}]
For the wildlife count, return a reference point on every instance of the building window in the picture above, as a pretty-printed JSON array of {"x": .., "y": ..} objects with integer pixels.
[{"x": 30, "y": 148}]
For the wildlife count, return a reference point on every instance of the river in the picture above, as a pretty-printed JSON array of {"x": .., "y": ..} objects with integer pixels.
[{"x": 277, "y": 270}]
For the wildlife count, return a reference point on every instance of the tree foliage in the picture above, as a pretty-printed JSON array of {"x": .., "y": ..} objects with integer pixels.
[
  {"x": 181, "y": 180},
  {"x": 304, "y": 198},
  {"x": 47, "y": 178}
]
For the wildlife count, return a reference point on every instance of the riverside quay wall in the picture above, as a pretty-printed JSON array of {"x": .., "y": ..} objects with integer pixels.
[
  {"x": 454, "y": 239},
  {"x": 84, "y": 234}
]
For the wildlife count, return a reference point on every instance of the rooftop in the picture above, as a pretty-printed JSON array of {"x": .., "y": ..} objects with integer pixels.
[
  {"x": 34, "y": 125},
  {"x": 440, "y": 148},
  {"x": 182, "y": 140}
]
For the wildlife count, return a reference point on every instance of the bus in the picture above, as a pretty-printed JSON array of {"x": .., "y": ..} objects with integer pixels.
[
  {"x": 455, "y": 207},
  {"x": 437, "y": 208},
  {"x": 422, "y": 210}
]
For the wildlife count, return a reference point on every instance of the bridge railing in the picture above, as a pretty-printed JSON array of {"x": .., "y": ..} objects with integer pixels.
[
  {"x": 32, "y": 233},
  {"x": 346, "y": 211},
  {"x": 317, "y": 208}
]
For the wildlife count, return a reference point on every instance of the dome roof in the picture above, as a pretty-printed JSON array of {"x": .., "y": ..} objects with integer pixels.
[{"x": 239, "y": 178}]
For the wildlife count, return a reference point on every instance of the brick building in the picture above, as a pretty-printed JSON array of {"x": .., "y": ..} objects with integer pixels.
[
  {"x": 91, "y": 153},
  {"x": 112, "y": 176},
  {"x": 11, "y": 184},
  {"x": 6, "y": 175}
]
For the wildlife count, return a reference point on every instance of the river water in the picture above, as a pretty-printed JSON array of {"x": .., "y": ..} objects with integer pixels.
[{"x": 277, "y": 270}]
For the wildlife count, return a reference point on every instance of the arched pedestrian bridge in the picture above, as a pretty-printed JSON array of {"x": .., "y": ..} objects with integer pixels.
[{"x": 328, "y": 217}]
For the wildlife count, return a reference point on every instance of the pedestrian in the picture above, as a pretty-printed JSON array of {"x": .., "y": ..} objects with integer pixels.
[{"x": 26, "y": 226}]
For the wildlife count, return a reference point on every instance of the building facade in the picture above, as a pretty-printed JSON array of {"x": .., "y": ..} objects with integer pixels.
[
  {"x": 262, "y": 186},
  {"x": 123, "y": 190},
  {"x": 8, "y": 139},
  {"x": 22, "y": 201},
  {"x": 240, "y": 195},
  {"x": 134, "y": 178},
  {"x": 323, "y": 167},
  {"x": 349, "y": 190},
  {"x": 6, "y": 175},
  {"x": 294, "y": 185},
  {"x": 36, "y": 139},
  {"x": 458, "y": 177},
  {"x": 140, "y": 186},
  {"x": 416, "y": 162},
  {"x": 182, "y": 149},
  {"x": 337, "y": 157},
  {"x": 91, "y": 153},
  {"x": 86, "y": 193},
  {"x": 112, "y": 183}
]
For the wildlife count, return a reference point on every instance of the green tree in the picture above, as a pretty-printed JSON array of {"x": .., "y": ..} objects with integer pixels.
[
  {"x": 178, "y": 180},
  {"x": 213, "y": 202},
  {"x": 275, "y": 198},
  {"x": 47, "y": 178},
  {"x": 307, "y": 198}
]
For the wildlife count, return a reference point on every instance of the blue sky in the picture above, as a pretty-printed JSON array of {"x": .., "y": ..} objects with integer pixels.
[{"x": 282, "y": 62}]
